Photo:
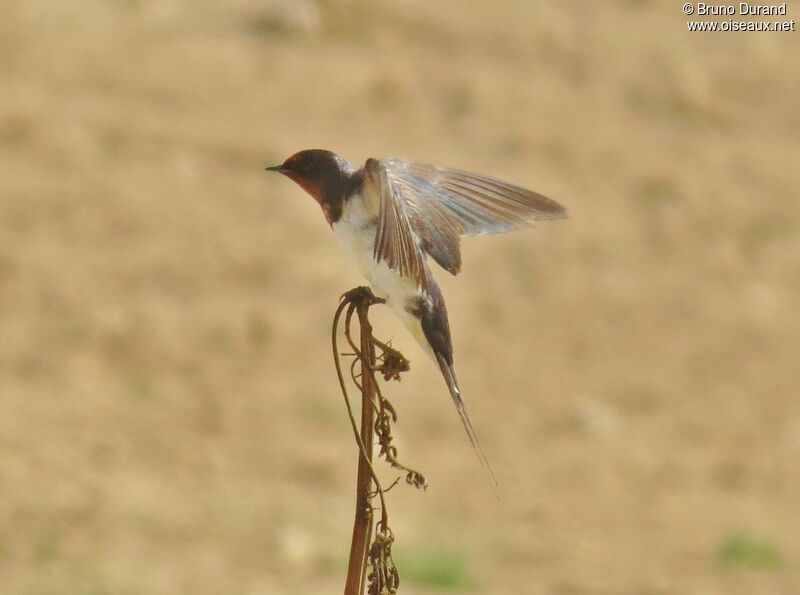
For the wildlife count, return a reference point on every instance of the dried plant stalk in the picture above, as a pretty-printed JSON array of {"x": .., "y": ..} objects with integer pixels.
[
  {"x": 377, "y": 417},
  {"x": 362, "y": 527}
]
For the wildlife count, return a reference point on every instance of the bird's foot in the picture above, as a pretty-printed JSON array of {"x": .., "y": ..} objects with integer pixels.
[{"x": 361, "y": 295}]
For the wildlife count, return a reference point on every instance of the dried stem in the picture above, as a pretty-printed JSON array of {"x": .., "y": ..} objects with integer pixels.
[
  {"x": 377, "y": 417},
  {"x": 362, "y": 527}
]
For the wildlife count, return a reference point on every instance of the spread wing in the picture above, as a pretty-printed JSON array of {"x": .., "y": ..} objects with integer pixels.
[{"x": 424, "y": 209}]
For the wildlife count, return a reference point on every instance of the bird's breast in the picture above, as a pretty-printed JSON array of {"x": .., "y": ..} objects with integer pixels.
[{"x": 356, "y": 230}]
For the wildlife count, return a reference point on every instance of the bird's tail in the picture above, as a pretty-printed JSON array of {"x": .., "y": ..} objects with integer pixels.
[{"x": 455, "y": 392}]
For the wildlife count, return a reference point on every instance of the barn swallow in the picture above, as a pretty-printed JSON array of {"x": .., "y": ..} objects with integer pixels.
[{"x": 391, "y": 214}]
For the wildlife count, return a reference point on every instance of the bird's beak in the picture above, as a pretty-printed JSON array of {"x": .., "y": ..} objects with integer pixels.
[{"x": 278, "y": 168}]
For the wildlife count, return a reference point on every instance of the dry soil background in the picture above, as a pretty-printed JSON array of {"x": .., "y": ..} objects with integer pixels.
[{"x": 169, "y": 419}]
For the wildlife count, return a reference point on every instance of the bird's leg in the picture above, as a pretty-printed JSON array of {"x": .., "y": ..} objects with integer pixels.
[{"x": 361, "y": 295}]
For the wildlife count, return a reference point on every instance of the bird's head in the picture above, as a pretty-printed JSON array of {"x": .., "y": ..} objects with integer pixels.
[{"x": 317, "y": 171}]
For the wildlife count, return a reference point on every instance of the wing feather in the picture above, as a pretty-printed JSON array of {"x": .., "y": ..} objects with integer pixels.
[
  {"x": 424, "y": 209},
  {"x": 395, "y": 240}
]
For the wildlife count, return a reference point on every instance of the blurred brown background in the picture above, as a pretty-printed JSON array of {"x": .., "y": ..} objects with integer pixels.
[{"x": 169, "y": 417}]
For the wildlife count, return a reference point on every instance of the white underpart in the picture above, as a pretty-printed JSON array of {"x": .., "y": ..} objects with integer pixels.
[{"x": 356, "y": 230}]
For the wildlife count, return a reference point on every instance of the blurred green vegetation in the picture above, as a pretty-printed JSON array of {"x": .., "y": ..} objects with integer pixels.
[
  {"x": 438, "y": 567},
  {"x": 750, "y": 551}
]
